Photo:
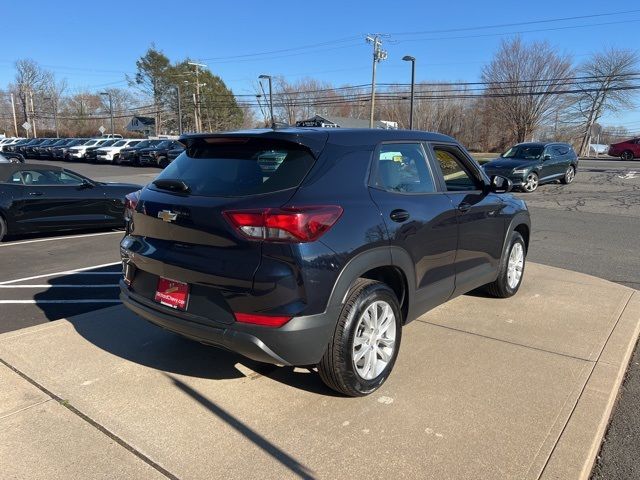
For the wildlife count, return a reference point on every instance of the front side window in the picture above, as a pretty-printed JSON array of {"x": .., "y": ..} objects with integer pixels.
[
  {"x": 457, "y": 175},
  {"x": 402, "y": 168}
]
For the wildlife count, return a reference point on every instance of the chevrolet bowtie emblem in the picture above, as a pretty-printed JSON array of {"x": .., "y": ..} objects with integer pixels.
[{"x": 167, "y": 215}]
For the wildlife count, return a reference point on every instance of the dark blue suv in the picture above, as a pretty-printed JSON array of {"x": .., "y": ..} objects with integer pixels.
[{"x": 321, "y": 258}]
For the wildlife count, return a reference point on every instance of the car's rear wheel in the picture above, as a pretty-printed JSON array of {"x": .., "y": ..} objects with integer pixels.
[
  {"x": 511, "y": 269},
  {"x": 3, "y": 228},
  {"x": 627, "y": 155},
  {"x": 163, "y": 162},
  {"x": 569, "y": 175},
  {"x": 530, "y": 183},
  {"x": 365, "y": 344}
]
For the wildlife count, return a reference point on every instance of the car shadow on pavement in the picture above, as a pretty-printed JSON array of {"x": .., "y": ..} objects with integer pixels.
[
  {"x": 122, "y": 333},
  {"x": 278, "y": 454}
]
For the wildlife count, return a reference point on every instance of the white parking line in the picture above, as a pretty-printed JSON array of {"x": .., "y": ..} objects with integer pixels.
[
  {"x": 99, "y": 300},
  {"x": 67, "y": 272},
  {"x": 47, "y": 285},
  {"x": 10, "y": 244}
]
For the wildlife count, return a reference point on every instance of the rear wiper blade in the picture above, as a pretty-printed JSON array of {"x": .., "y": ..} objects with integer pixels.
[{"x": 171, "y": 184}]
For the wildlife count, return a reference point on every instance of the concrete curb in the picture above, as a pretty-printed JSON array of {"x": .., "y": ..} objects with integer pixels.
[{"x": 577, "y": 448}]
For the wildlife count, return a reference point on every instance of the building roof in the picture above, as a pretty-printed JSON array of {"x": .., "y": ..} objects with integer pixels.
[{"x": 149, "y": 121}]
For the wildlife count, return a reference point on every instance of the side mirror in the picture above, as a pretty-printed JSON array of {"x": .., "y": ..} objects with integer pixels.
[
  {"x": 500, "y": 184},
  {"x": 86, "y": 184},
  {"x": 546, "y": 156}
]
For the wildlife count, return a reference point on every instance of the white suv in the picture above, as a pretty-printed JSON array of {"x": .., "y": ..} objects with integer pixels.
[
  {"x": 109, "y": 154},
  {"x": 79, "y": 151}
]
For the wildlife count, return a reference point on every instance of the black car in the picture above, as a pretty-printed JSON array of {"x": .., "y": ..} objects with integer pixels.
[
  {"x": 11, "y": 158},
  {"x": 22, "y": 148},
  {"x": 90, "y": 153},
  {"x": 157, "y": 156},
  {"x": 60, "y": 152},
  {"x": 46, "y": 152},
  {"x": 13, "y": 146},
  {"x": 173, "y": 154},
  {"x": 323, "y": 259},
  {"x": 35, "y": 150},
  {"x": 131, "y": 155},
  {"x": 529, "y": 165},
  {"x": 39, "y": 198}
]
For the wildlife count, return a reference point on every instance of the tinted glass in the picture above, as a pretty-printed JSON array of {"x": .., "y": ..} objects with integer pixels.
[
  {"x": 119, "y": 143},
  {"x": 457, "y": 177},
  {"x": 402, "y": 167},
  {"x": 233, "y": 169},
  {"x": 528, "y": 152}
]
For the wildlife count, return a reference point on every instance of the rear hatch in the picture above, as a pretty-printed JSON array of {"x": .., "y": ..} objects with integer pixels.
[{"x": 179, "y": 229}]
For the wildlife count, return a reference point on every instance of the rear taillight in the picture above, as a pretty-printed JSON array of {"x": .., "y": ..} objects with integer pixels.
[
  {"x": 264, "y": 320},
  {"x": 286, "y": 224},
  {"x": 130, "y": 204}
]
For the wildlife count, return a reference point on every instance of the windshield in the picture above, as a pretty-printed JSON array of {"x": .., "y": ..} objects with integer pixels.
[
  {"x": 163, "y": 144},
  {"x": 239, "y": 167},
  {"x": 90, "y": 142},
  {"x": 526, "y": 152},
  {"x": 119, "y": 143}
]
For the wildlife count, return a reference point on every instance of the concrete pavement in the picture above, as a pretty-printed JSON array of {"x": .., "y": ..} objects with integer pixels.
[{"x": 483, "y": 388}]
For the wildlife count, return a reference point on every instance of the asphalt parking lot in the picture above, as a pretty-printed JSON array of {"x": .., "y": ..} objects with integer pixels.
[{"x": 591, "y": 226}]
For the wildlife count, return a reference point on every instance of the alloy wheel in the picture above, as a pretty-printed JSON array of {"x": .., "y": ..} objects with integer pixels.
[
  {"x": 515, "y": 265},
  {"x": 570, "y": 175},
  {"x": 531, "y": 182},
  {"x": 374, "y": 341}
]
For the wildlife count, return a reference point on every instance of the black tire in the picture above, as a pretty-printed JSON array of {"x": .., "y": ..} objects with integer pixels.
[
  {"x": 116, "y": 160},
  {"x": 337, "y": 369},
  {"x": 569, "y": 175},
  {"x": 627, "y": 155},
  {"x": 163, "y": 162},
  {"x": 3, "y": 228},
  {"x": 501, "y": 288},
  {"x": 531, "y": 183}
]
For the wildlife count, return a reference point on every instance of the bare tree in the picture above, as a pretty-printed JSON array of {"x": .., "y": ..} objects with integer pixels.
[
  {"x": 606, "y": 85},
  {"x": 30, "y": 80},
  {"x": 521, "y": 83}
]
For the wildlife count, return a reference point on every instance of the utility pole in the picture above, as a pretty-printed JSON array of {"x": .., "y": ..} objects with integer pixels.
[
  {"x": 15, "y": 120},
  {"x": 179, "y": 110},
  {"x": 33, "y": 115},
  {"x": 378, "y": 56},
  {"x": 108, "y": 94},
  {"x": 197, "y": 97},
  {"x": 54, "y": 99}
]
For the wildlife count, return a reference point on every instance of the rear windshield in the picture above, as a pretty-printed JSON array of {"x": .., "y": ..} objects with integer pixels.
[{"x": 239, "y": 167}]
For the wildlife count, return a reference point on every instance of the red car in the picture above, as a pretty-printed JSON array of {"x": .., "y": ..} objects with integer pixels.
[{"x": 627, "y": 150}]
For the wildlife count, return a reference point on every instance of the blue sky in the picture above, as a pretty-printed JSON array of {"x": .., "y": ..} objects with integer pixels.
[{"x": 94, "y": 44}]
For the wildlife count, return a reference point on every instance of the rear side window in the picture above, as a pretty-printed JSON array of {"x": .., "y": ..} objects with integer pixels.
[
  {"x": 402, "y": 168},
  {"x": 239, "y": 167}
]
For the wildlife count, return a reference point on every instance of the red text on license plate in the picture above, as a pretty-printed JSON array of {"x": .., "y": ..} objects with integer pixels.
[{"x": 172, "y": 293}]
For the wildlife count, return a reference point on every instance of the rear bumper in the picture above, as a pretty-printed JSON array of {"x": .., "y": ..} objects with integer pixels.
[{"x": 302, "y": 341}]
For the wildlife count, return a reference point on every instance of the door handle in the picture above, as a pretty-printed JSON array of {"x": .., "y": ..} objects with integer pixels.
[
  {"x": 35, "y": 194},
  {"x": 399, "y": 215},
  {"x": 464, "y": 207}
]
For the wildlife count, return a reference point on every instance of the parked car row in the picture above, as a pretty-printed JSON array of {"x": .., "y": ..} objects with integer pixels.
[{"x": 133, "y": 151}]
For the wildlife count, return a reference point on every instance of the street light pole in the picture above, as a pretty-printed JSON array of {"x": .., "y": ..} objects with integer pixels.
[
  {"x": 108, "y": 94},
  {"x": 15, "y": 120},
  {"x": 378, "y": 56},
  {"x": 273, "y": 123},
  {"x": 409, "y": 58}
]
